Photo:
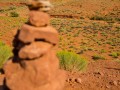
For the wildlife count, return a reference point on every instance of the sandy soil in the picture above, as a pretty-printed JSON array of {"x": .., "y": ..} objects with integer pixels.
[{"x": 100, "y": 75}]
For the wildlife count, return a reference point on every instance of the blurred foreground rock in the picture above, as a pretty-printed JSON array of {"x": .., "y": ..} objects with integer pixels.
[{"x": 35, "y": 65}]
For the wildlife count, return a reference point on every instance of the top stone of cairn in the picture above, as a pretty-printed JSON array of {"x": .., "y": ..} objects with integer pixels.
[{"x": 40, "y": 5}]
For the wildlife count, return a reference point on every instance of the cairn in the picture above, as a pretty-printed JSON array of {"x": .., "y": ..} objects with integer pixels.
[{"x": 35, "y": 65}]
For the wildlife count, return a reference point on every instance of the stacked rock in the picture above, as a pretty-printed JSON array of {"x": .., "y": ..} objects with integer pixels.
[{"x": 35, "y": 65}]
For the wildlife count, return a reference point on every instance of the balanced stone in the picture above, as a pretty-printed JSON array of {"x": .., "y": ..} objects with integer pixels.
[
  {"x": 35, "y": 65},
  {"x": 32, "y": 75},
  {"x": 40, "y": 5},
  {"x": 39, "y": 19},
  {"x": 34, "y": 50},
  {"x": 56, "y": 84},
  {"x": 29, "y": 34}
]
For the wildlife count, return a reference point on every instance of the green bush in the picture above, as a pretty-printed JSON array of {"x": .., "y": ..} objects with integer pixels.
[
  {"x": 103, "y": 18},
  {"x": 115, "y": 54},
  {"x": 96, "y": 18},
  {"x": 71, "y": 61},
  {"x": 97, "y": 57},
  {"x": 5, "y": 53},
  {"x": 14, "y": 14}
]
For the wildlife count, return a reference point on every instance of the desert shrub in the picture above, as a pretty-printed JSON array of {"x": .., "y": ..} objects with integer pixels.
[
  {"x": 103, "y": 18},
  {"x": 115, "y": 54},
  {"x": 102, "y": 51},
  {"x": 96, "y": 18},
  {"x": 7, "y": 9},
  {"x": 1, "y": 10},
  {"x": 117, "y": 19},
  {"x": 97, "y": 57},
  {"x": 71, "y": 61},
  {"x": 14, "y": 14},
  {"x": 5, "y": 53},
  {"x": 11, "y": 8}
]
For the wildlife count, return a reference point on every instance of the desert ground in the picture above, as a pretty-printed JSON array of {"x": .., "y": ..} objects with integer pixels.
[{"x": 90, "y": 28}]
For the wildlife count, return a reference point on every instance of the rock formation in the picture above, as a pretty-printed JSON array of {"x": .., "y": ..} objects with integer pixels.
[{"x": 35, "y": 65}]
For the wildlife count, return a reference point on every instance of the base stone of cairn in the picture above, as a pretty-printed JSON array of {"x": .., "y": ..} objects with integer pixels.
[{"x": 35, "y": 65}]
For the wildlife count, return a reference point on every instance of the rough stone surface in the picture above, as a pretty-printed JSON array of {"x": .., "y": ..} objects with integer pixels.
[
  {"x": 58, "y": 82},
  {"x": 34, "y": 50},
  {"x": 39, "y": 19},
  {"x": 29, "y": 34}
]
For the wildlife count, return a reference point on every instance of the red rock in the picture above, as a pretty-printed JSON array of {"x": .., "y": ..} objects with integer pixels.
[
  {"x": 78, "y": 80},
  {"x": 56, "y": 84},
  {"x": 39, "y": 19},
  {"x": 33, "y": 73},
  {"x": 29, "y": 34},
  {"x": 35, "y": 65},
  {"x": 41, "y": 5},
  {"x": 107, "y": 86},
  {"x": 34, "y": 50},
  {"x": 10, "y": 68},
  {"x": 2, "y": 76},
  {"x": 45, "y": 68},
  {"x": 115, "y": 83},
  {"x": 59, "y": 81},
  {"x": 101, "y": 73}
]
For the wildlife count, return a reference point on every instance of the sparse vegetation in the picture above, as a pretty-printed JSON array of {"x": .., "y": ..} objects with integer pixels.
[
  {"x": 14, "y": 14},
  {"x": 115, "y": 54},
  {"x": 104, "y": 18},
  {"x": 71, "y": 61},
  {"x": 102, "y": 51},
  {"x": 98, "y": 57},
  {"x": 117, "y": 60},
  {"x": 97, "y": 18},
  {"x": 7, "y": 9},
  {"x": 5, "y": 53}
]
